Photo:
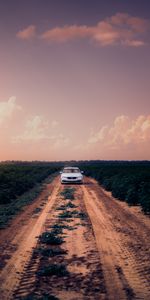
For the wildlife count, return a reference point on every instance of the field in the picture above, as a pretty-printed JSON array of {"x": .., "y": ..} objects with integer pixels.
[
  {"x": 128, "y": 181},
  {"x": 20, "y": 183},
  {"x": 76, "y": 241}
]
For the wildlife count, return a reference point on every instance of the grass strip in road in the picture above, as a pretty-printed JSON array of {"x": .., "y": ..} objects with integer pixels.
[
  {"x": 62, "y": 207},
  {"x": 50, "y": 238},
  {"x": 62, "y": 226},
  {"x": 73, "y": 214},
  {"x": 82, "y": 216},
  {"x": 68, "y": 193},
  {"x": 59, "y": 270},
  {"x": 68, "y": 205},
  {"x": 66, "y": 215},
  {"x": 71, "y": 205},
  {"x": 44, "y": 296},
  {"x": 50, "y": 252}
]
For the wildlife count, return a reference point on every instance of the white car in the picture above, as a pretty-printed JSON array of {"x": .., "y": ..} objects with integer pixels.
[{"x": 71, "y": 175}]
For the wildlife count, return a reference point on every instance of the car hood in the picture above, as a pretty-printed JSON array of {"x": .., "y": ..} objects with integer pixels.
[{"x": 71, "y": 174}]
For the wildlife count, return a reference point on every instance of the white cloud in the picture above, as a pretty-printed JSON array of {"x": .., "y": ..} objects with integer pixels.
[
  {"x": 123, "y": 132},
  {"x": 54, "y": 124},
  {"x": 99, "y": 136},
  {"x": 37, "y": 129},
  {"x": 60, "y": 141},
  {"x": 7, "y": 109}
]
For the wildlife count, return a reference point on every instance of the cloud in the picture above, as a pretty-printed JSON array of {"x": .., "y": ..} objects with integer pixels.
[
  {"x": 54, "y": 124},
  {"x": 98, "y": 136},
  {"x": 27, "y": 33},
  {"x": 60, "y": 141},
  {"x": 7, "y": 109},
  {"x": 134, "y": 43},
  {"x": 119, "y": 29},
  {"x": 63, "y": 34},
  {"x": 139, "y": 25},
  {"x": 123, "y": 132},
  {"x": 37, "y": 129}
]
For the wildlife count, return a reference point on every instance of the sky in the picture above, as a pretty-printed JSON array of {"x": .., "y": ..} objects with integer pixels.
[{"x": 74, "y": 80}]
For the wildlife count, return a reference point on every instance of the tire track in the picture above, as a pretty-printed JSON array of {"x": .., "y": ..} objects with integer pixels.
[
  {"x": 119, "y": 261},
  {"x": 106, "y": 265},
  {"x": 85, "y": 279},
  {"x": 12, "y": 273}
]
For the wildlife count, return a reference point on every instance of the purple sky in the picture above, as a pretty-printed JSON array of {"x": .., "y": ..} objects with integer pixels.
[{"x": 75, "y": 79}]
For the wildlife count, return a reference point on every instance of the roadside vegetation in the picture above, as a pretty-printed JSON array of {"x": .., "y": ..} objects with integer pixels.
[
  {"x": 20, "y": 184},
  {"x": 128, "y": 181}
]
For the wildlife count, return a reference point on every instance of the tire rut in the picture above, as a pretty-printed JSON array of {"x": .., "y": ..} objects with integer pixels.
[
  {"x": 104, "y": 256},
  {"x": 12, "y": 273},
  {"x": 128, "y": 274}
]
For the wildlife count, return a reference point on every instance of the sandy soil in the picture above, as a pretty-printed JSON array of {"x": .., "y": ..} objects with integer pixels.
[
  {"x": 18, "y": 241},
  {"x": 107, "y": 250},
  {"x": 123, "y": 240}
]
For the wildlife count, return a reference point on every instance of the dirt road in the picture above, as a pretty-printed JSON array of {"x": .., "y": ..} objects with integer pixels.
[{"x": 101, "y": 248}]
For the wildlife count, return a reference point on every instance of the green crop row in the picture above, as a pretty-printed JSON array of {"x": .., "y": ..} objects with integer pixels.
[
  {"x": 20, "y": 184},
  {"x": 127, "y": 180},
  {"x": 16, "y": 179}
]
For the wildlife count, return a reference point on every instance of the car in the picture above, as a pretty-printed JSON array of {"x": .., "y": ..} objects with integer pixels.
[{"x": 71, "y": 175}]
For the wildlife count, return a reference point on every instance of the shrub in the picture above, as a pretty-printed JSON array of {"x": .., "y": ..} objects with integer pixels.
[
  {"x": 51, "y": 252},
  {"x": 65, "y": 214},
  {"x": 53, "y": 269},
  {"x": 70, "y": 205},
  {"x": 50, "y": 238},
  {"x": 45, "y": 296},
  {"x": 68, "y": 193}
]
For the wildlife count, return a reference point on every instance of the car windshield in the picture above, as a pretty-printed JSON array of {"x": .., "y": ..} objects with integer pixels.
[{"x": 71, "y": 170}]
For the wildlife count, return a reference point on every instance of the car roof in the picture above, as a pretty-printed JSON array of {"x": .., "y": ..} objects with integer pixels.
[{"x": 71, "y": 168}]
